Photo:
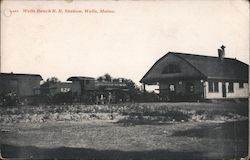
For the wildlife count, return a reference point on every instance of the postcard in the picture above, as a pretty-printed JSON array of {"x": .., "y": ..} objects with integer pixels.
[{"x": 124, "y": 79}]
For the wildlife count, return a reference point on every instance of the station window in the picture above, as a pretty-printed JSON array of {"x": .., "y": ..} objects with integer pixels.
[
  {"x": 231, "y": 87},
  {"x": 216, "y": 87},
  {"x": 171, "y": 68},
  {"x": 190, "y": 87},
  {"x": 171, "y": 88},
  {"x": 241, "y": 85},
  {"x": 213, "y": 86}
]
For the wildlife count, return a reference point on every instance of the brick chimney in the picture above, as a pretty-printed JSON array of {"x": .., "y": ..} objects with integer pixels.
[{"x": 221, "y": 52}]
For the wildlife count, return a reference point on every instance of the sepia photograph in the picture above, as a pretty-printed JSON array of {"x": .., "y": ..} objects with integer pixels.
[{"x": 124, "y": 80}]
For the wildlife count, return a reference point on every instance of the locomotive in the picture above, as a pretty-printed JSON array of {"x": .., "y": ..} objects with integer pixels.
[{"x": 87, "y": 90}]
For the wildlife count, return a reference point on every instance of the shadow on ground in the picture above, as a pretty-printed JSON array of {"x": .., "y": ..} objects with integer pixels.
[
  {"x": 30, "y": 152},
  {"x": 230, "y": 130},
  {"x": 234, "y": 134}
]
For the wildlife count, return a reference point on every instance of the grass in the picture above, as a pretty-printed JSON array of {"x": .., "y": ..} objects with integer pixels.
[
  {"x": 126, "y": 131},
  {"x": 140, "y": 112},
  {"x": 115, "y": 141}
]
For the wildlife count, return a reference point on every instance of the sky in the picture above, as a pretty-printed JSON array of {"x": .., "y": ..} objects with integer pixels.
[{"x": 125, "y": 41}]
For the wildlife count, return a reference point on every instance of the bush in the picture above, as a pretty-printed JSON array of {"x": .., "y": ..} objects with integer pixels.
[{"x": 147, "y": 97}]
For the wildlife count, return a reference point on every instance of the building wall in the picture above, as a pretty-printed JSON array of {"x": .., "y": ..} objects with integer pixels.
[
  {"x": 238, "y": 92},
  {"x": 180, "y": 87},
  {"x": 213, "y": 95}
]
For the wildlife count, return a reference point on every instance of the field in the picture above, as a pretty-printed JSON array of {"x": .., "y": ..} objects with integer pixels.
[{"x": 217, "y": 130}]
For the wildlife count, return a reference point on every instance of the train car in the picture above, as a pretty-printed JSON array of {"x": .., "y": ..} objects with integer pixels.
[{"x": 18, "y": 88}]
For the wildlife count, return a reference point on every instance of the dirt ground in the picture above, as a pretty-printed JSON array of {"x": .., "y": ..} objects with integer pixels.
[{"x": 110, "y": 139}]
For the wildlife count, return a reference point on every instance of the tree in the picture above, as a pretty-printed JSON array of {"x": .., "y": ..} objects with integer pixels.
[
  {"x": 51, "y": 80},
  {"x": 46, "y": 88},
  {"x": 107, "y": 77},
  {"x": 100, "y": 79},
  {"x": 133, "y": 90},
  {"x": 129, "y": 83}
]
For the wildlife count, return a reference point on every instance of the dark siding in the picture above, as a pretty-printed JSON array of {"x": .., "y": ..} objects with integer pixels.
[
  {"x": 185, "y": 70},
  {"x": 20, "y": 84}
]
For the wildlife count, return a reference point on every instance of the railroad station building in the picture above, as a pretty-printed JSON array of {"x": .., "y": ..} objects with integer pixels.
[{"x": 189, "y": 76}]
